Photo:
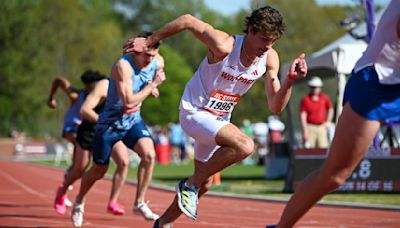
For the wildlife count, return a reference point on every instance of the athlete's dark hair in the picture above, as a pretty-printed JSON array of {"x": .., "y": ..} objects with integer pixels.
[
  {"x": 90, "y": 76},
  {"x": 265, "y": 19},
  {"x": 146, "y": 34}
]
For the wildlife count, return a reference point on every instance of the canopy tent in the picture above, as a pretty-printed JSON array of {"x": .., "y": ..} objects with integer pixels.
[{"x": 339, "y": 56}]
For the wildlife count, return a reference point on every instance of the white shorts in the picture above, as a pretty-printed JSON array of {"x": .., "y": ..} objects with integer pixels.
[{"x": 203, "y": 127}]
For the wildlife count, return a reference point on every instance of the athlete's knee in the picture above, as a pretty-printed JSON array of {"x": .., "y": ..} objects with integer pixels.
[
  {"x": 98, "y": 171},
  {"x": 123, "y": 164},
  {"x": 78, "y": 168},
  {"x": 100, "y": 174},
  {"x": 337, "y": 178},
  {"x": 76, "y": 171},
  {"x": 148, "y": 157},
  {"x": 246, "y": 146}
]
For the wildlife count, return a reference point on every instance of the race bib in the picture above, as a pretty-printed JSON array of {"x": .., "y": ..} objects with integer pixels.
[{"x": 221, "y": 103}]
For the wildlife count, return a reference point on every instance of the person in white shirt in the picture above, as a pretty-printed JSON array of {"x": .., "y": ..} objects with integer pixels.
[{"x": 232, "y": 65}]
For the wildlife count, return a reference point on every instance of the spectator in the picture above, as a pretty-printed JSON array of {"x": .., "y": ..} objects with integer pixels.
[
  {"x": 178, "y": 140},
  {"x": 275, "y": 127},
  {"x": 247, "y": 129},
  {"x": 316, "y": 113}
]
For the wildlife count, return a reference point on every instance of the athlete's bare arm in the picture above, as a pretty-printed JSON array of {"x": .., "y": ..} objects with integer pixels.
[
  {"x": 329, "y": 117},
  {"x": 160, "y": 62},
  {"x": 219, "y": 43},
  {"x": 278, "y": 94},
  {"x": 65, "y": 85},
  {"x": 121, "y": 73},
  {"x": 160, "y": 69},
  {"x": 94, "y": 98}
]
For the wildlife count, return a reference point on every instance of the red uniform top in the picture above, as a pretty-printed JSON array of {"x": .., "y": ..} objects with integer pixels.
[{"x": 316, "y": 110}]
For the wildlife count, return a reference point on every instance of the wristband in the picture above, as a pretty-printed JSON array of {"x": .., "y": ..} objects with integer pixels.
[{"x": 291, "y": 77}]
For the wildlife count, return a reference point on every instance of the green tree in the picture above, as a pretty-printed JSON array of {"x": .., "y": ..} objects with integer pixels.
[
  {"x": 153, "y": 14},
  {"x": 41, "y": 39},
  {"x": 309, "y": 26},
  {"x": 20, "y": 62}
]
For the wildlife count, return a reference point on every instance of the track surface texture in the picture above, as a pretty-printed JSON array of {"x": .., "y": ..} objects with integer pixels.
[{"x": 27, "y": 192}]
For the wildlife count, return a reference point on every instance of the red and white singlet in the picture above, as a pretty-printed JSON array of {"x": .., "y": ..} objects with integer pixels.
[{"x": 218, "y": 87}]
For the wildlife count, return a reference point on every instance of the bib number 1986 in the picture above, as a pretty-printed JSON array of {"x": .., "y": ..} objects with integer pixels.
[{"x": 221, "y": 103}]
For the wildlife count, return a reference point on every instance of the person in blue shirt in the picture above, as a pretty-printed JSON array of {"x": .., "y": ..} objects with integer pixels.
[
  {"x": 178, "y": 140},
  {"x": 134, "y": 77}
]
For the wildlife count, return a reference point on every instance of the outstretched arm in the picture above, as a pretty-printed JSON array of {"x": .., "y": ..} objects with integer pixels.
[
  {"x": 94, "y": 98},
  {"x": 218, "y": 42},
  {"x": 65, "y": 85},
  {"x": 121, "y": 73},
  {"x": 278, "y": 95}
]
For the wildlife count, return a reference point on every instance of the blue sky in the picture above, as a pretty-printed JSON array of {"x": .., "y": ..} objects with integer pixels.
[
  {"x": 232, "y": 6},
  {"x": 228, "y": 6}
]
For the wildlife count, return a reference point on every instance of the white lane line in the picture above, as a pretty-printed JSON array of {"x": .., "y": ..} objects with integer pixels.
[{"x": 23, "y": 186}]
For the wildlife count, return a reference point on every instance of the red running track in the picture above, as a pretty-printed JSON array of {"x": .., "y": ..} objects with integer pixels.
[{"x": 27, "y": 191}]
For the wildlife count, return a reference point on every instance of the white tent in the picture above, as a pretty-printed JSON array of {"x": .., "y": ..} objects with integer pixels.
[{"x": 339, "y": 56}]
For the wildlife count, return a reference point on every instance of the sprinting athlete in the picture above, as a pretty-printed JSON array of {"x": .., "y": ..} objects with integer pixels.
[
  {"x": 90, "y": 110},
  {"x": 232, "y": 65},
  {"x": 76, "y": 97},
  {"x": 72, "y": 118},
  {"x": 133, "y": 78}
]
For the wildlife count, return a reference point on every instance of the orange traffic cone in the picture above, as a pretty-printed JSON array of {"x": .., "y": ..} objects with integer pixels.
[{"x": 217, "y": 178}]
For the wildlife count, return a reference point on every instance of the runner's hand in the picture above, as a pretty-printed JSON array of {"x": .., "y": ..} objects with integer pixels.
[
  {"x": 138, "y": 44},
  {"x": 159, "y": 77},
  {"x": 298, "y": 69},
  {"x": 52, "y": 103}
]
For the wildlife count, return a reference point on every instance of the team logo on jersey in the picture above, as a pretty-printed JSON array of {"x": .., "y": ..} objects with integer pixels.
[{"x": 238, "y": 78}]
